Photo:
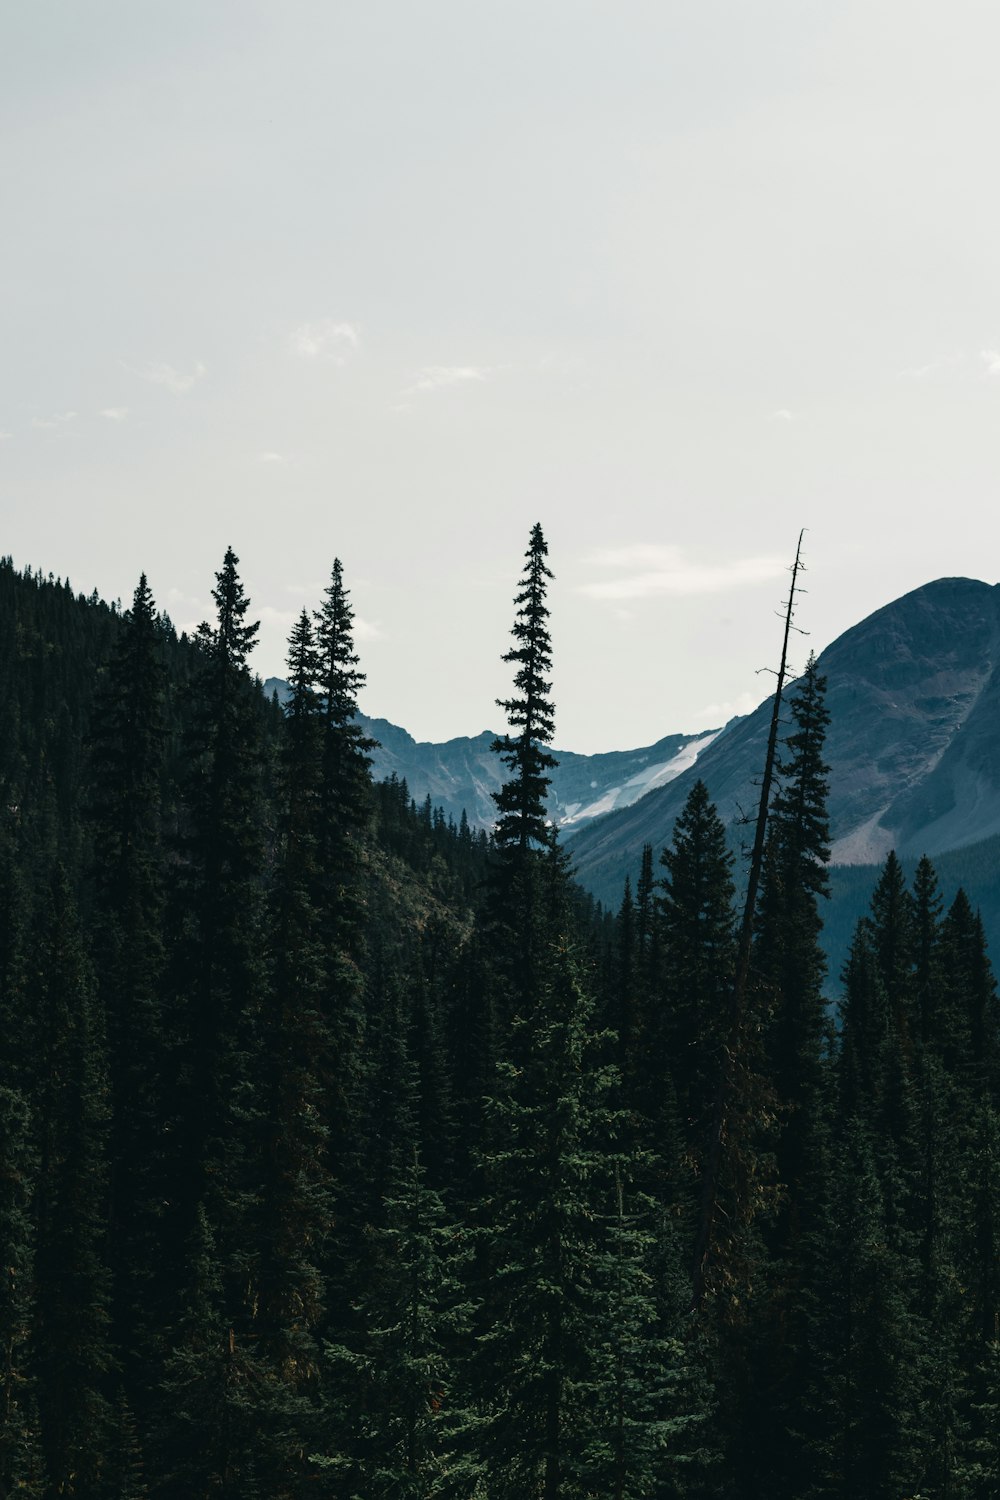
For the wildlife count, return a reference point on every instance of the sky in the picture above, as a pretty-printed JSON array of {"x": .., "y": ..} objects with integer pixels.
[{"x": 392, "y": 280}]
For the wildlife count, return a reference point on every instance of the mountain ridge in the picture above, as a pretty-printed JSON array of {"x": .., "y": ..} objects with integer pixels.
[
  {"x": 913, "y": 744},
  {"x": 460, "y": 774}
]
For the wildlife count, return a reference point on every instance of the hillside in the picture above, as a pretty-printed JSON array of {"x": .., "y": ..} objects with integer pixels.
[{"x": 913, "y": 747}]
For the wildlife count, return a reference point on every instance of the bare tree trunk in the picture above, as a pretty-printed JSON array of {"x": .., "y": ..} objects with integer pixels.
[{"x": 705, "y": 1239}]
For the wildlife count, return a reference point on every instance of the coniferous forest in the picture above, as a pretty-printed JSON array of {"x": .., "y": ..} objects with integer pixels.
[{"x": 348, "y": 1152}]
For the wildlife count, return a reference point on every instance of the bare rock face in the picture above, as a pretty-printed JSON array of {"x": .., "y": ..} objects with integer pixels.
[
  {"x": 461, "y": 775},
  {"x": 913, "y": 746}
]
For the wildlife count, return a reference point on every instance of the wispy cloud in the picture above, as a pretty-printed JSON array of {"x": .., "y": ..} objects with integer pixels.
[
  {"x": 366, "y": 630},
  {"x": 270, "y": 457},
  {"x": 919, "y": 372},
  {"x": 115, "y": 413},
  {"x": 437, "y": 377},
  {"x": 60, "y": 419},
  {"x": 714, "y": 715},
  {"x": 645, "y": 571},
  {"x": 173, "y": 380},
  {"x": 782, "y": 415},
  {"x": 325, "y": 340},
  {"x": 991, "y": 359},
  {"x": 942, "y": 365},
  {"x": 5, "y": 437}
]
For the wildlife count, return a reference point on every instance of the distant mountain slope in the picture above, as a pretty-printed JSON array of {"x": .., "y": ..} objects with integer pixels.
[
  {"x": 462, "y": 773},
  {"x": 914, "y": 742},
  {"x": 974, "y": 867}
]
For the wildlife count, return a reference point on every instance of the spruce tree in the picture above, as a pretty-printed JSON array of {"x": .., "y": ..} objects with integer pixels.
[
  {"x": 545, "y": 1369},
  {"x": 529, "y": 877},
  {"x": 522, "y": 823},
  {"x": 127, "y": 757},
  {"x": 789, "y": 966},
  {"x": 72, "y": 1358},
  {"x": 219, "y": 962},
  {"x": 20, "y": 1459},
  {"x": 344, "y": 812},
  {"x": 345, "y": 805},
  {"x": 409, "y": 1437},
  {"x": 294, "y": 1215},
  {"x": 695, "y": 907}
]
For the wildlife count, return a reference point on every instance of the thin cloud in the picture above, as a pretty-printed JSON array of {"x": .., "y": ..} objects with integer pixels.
[
  {"x": 365, "y": 630},
  {"x": 991, "y": 359},
  {"x": 325, "y": 340},
  {"x": 115, "y": 413},
  {"x": 437, "y": 377},
  {"x": 60, "y": 419},
  {"x": 648, "y": 571},
  {"x": 5, "y": 437},
  {"x": 173, "y": 380},
  {"x": 270, "y": 458},
  {"x": 919, "y": 372},
  {"x": 714, "y": 715},
  {"x": 268, "y": 615},
  {"x": 782, "y": 415}
]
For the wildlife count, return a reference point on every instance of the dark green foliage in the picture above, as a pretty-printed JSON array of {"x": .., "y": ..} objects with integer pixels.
[
  {"x": 207, "y": 1431},
  {"x": 71, "y": 1354},
  {"x": 344, "y": 1151},
  {"x": 127, "y": 762},
  {"x": 521, "y": 818},
  {"x": 20, "y": 1464},
  {"x": 696, "y": 918},
  {"x": 576, "y": 1384},
  {"x": 408, "y": 1437}
]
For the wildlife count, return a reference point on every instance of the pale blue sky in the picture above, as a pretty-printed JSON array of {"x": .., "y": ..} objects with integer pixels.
[{"x": 394, "y": 280}]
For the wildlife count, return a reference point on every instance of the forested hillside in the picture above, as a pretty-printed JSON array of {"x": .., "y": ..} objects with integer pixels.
[{"x": 347, "y": 1152}]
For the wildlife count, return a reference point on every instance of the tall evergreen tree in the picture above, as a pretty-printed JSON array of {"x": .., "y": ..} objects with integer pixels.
[
  {"x": 522, "y": 824},
  {"x": 789, "y": 959},
  {"x": 345, "y": 786},
  {"x": 409, "y": 1436},
  {"x": 695, "y": 906},
  {"x": 294, "y": 1214},
  {"x": 556, "y": 1366},
  {"x": 127, "y": 756},
  {"x": 221, "y": 953},
  {"x": 528, "y": 879},
  {"x": 71, "y": 1355},
  {"x": 20, "y": 1458},
  {"x": 343, "y": 816}
]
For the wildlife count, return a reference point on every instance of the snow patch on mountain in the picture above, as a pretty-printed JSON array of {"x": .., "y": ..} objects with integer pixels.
[{"x": 638, "y": 785}]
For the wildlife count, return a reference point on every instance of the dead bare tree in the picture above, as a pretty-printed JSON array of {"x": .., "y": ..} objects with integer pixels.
[{"x": 732, "y": 1056}]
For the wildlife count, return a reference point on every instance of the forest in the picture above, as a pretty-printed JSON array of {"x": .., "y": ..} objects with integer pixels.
[{"x": 348, "y": 1152}]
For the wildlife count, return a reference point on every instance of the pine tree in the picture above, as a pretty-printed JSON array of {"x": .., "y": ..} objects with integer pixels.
[
  {"x": 343, "y": 816},
  {"x": 893, "y": 939},
  {"x": 522, "y": 823},
  {"x": 547, "y": 1306},
  {"x": 127, "y": 757},
  {"x": 876, "y": 1438},
  {"x": 787, "y": 953},
  {"x": 408, "y": 1437},
  {"x": 790, "y": 968},
  {"x": 695, "y": 906},
  {"x": 19, "y": 1435},
  {"x": 221, "y": 956},
  {"x": 345, "y": 805},
  {"x": 647, "y": 1424},
  {"x": 71, "y": 1355},
  {"x": 295, "y": 1213},
  {"x": 528, "y": 879},
  {"x": 207, "y": 1432}
]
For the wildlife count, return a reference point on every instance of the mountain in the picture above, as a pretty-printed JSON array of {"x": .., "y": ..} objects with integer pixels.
[
  {"x": 913, "y": 746},
  {"x": 460, "y": 774}
]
